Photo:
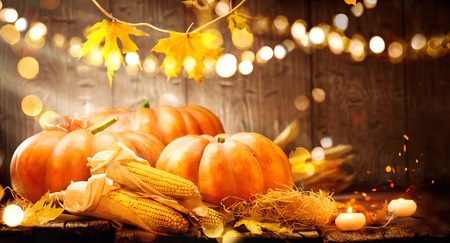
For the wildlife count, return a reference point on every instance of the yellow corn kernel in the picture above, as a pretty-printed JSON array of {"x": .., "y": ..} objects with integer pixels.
[
  {"x": 157, "y": 216},
  {"x": 212, "y": 224},
  {"x": 165, "y": 182}
]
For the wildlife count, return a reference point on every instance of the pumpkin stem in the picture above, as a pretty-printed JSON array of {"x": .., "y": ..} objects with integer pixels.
[
  {"x": 145, "y": 104},
  {"x": 221, "y": 139},
  {"x": 104, "y": 125}
]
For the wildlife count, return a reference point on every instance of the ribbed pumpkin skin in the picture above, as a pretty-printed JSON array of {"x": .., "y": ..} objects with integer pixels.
[
  {"x": 242, "y": 165},
  {"x": 50, "y": 160},
  {"x": 165, "y": 122}
]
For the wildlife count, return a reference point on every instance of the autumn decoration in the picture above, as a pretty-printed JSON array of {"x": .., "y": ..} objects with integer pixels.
[
  {"x": 227, "y": 165},
  {"x": 163, "y": 121},
  {"x": 50, "y": 160}
]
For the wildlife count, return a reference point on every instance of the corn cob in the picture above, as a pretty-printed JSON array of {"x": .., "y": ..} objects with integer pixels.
[
  {"x": 213, "y": 219},
  {"x": 155, "y": 215},
  {"x": 165, "y": 182}
]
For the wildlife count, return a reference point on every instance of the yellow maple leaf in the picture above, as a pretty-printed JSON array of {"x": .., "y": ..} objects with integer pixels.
[
  {"x": 109, "y": 33},
  {"x": 179, "y": 47},
  {"x": 237, "y": 20},
  {"x": 353, "y": 2},
  {"x": 40, "y": 212}
]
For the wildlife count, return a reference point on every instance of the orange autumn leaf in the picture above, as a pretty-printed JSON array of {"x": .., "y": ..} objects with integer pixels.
[
  {"x": 109, "y": 33},
  {"x": 353, "y": 2},
  {"x": 192, "y": 47}
]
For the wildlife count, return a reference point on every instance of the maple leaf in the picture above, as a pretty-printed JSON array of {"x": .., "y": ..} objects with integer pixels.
[
  {"x": 40, "y": 212},
  {"x": 109, "y": 33},
  {"x": 353, "y": 2},
  {"x": 180, "y": 46},
  {"x": 237, "y": 20}
]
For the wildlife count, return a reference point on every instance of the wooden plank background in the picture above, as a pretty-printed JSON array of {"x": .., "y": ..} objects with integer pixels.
[{"x": 370, "y": 105}]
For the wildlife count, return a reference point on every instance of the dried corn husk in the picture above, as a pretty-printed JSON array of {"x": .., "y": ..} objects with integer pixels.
[{"x": 108, "y": 162}]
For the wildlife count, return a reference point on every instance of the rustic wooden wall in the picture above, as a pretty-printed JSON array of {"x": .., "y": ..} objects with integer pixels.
[{"x": 370, "y": 105}]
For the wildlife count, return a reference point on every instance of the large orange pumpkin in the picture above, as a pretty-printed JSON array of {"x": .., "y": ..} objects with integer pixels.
[
  {"x": 51, "y": 159},
  {"x": 163, "y": 121},
  {"x": 236, "y": 165}
]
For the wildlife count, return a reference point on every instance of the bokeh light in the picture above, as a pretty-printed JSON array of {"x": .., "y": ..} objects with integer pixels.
[
  {"x": 318, "y": 95},
  {"x": 32, "y": 105},
  {"x": 150, "y": 64},
  {"x": 8, "y": 15},
  {"x": 226, "y": 66},
  {"x": 242, "y": 39},
  {"x": 317, "y": 35},
  {"x": 340, "y": 21},
  {"x": 326, "y": 142},
  {"x": 376, "y": 44},
  {"x": 279, "y": 51},
  {"x": 265, "y": 53},
  {"x": 281, "y": 24},
  {"x": 132, "y": 58},
  {"x": 12, "y": 215},
  {"x": 418, "y": 41},
  {"x": 335, "y": 43},
  {"x": 28, "y": 67},
  {"x": 10, "y": 34},
  {"x": 318, "y": 155},
  {"x": 21, "y": 24},
  {"x": 245, "y": 67},
  {"x": 248, "y": 55},
  {"x": 301, "y": 102},
  {"x": 357, "y": 9}
]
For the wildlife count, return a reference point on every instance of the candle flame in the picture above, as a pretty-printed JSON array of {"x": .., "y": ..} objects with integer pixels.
[{"x": 349, "y": 210}]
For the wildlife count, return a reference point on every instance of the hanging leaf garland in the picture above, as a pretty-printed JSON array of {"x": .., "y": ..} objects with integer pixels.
[
  {"x": 109, "y": 33},
  {"x": 179, "y": 47}
]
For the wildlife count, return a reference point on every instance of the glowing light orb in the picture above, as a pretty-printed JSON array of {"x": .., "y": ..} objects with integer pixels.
[
  {"x": 418, "y": 41},
  {"x": 28, "y": 67},
  {"x": 245, "y": 67},
  {"x": 316, "y": 35},
  {"x": 318, "y": 155},
  {"x": 213, "y": 231},
  {"x": 377, "y": 45},
  {"x": 12, "y": 215},
  {"x": 326, "y": 142},
  {"x": 280, "y": 51},
  {"x": 132, "y": 58},
  {"x": 301, "y": 102},
  {"x": 265, "y": 53},
  {"x": 32, "y": 105},
  {"x": 340, "y": 21},
  {"x": 8, "y": 15},
  {"x": 21, "y": 24},
  {"x": 226, "y": 66}
]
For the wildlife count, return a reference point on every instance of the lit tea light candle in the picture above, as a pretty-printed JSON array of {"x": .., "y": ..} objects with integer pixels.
[
  {"x": 402, "y": 207},
  {"x": 350, "y": 221}
]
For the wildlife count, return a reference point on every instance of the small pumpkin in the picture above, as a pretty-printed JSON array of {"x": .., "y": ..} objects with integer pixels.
[
  {"x": 228, "y": 165},
  {"x": 163, "y": 121},
  {"x": 52, "y": 158}
]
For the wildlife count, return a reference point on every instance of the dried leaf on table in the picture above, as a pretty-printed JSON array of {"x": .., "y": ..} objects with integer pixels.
[
  {"x": 109, "y": 33},
  {"x": 40, "y": 212},
  {"x": 256, "y": 227},
  {"x": 181, "y": 47}
]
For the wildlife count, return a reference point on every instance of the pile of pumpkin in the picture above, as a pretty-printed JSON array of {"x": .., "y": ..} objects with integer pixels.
[{"x": 187, "y": 141}]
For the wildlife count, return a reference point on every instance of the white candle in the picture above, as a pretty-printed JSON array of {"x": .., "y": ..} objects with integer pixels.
[
  {"x": 350, "y": 221},
  {"x": 402, "y": 207}
]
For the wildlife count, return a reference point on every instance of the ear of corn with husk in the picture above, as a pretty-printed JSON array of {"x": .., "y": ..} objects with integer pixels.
[
  {"x": 334, "y": 173},
  {"x": 127, "y": 190},
  {"x": 135, "y": 174}
]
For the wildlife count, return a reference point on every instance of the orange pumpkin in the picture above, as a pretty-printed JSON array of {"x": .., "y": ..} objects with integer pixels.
[
  {"x": 163, "y": 121},
  {"x": 237, "y": 165},
  {"x": 51, "y": 159}
]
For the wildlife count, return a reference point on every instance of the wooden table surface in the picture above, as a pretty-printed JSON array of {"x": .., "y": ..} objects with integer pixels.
[{"x": 424, "y": 226}]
